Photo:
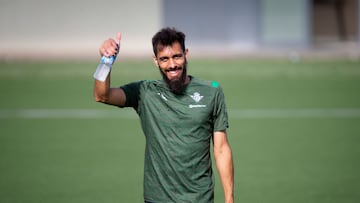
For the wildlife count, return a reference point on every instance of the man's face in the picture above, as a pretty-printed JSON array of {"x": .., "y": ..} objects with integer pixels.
[{"x": 172, "y": 61}]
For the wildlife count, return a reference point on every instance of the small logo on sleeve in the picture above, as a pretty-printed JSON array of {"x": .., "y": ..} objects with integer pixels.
[{"x": 162, "y": 96}]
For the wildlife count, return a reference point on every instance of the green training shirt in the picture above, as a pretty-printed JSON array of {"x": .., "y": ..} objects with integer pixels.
[{"x": 178, "y": 130}]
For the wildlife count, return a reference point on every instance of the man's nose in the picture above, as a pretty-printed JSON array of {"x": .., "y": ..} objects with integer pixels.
[{"x": 171, "y": 63}]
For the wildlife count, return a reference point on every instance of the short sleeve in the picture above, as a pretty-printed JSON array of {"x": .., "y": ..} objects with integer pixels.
[
  {"x": 132, "y": 92},
  {"x": 220, "y": 115}
]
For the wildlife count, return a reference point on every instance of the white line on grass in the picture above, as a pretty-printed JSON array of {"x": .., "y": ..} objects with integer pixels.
[
  {"x": 67, "y": 113},
  {"x": 295, "y": 113},
  {"x": 130, "y": 113}
]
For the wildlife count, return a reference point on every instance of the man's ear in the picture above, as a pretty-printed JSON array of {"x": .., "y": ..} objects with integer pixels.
[
  {"x": 187, "y": 54},
  {"x": 155, "y": 61}
]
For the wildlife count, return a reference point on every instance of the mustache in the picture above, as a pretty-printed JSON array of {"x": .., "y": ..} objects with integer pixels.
[{"x": 173, "y": 69}]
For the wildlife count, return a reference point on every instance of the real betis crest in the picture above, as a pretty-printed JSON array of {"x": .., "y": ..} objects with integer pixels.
[{"x": 196, "y": 97}]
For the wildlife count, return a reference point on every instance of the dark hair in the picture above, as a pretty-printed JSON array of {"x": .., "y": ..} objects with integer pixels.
[{"x": 166, "y": 37}]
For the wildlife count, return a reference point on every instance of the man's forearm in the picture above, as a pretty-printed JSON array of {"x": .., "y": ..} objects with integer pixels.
[
  {"x": 101, "y": 90},
  {"x": 224, "y": 163}
]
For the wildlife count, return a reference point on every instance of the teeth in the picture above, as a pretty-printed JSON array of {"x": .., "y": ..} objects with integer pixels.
[{"x": 173, "y": 70}]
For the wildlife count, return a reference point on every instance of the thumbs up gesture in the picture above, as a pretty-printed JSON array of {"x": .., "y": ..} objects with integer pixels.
[{"x": 110, "y": 47}]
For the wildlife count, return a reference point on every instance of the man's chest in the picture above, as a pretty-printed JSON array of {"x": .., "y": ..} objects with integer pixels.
[{"x": 193, "y": 107}]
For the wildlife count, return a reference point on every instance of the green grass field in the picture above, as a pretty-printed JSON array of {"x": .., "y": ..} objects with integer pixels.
[{"x": 294, "y": 131}]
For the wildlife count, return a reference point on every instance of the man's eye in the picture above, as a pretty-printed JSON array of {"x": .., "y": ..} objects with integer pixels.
[
  {"x": 179, "y": 56},
  {"x": 164, "y": 59}
]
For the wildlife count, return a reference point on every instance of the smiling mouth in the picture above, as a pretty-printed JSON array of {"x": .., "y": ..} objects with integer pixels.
[
  {"x": 173, "y": 69},
  {"x": 173, "y": 73}
]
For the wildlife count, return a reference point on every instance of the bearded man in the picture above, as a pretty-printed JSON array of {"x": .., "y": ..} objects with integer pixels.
[{"x": 180, "y": 116}]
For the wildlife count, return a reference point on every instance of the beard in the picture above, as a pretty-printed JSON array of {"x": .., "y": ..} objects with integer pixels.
[{"x": 177, "y": 85}]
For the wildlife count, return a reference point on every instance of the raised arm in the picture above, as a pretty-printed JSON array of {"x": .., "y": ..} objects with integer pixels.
[
  {"x": 224, "y": 163},
  {"x": 102, "y": 91}
]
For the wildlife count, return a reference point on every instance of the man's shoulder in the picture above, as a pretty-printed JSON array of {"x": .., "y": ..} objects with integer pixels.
[
  {"x": 152, "y": 82},
  {"x": 205, "y": 83},
  {"x": 144, "y": 83}
]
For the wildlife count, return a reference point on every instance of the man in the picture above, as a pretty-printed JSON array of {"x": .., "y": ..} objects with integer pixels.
[{"x": 180, "y": 115}]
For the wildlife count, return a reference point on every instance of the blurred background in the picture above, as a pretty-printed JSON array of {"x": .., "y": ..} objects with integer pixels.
[
  {"x": 39, "y": 28},
  {"x": 290, "y": 71}
]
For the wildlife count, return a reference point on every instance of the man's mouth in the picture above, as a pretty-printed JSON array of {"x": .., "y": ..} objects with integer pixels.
[
  {"x": 173, "y": 69},
  {"x": 173, "y": 72}
]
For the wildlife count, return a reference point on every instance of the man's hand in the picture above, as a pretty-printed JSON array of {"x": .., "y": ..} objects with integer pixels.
[
  {"x": 110, "y": 46},
  {"x": 102, "y": 91}
]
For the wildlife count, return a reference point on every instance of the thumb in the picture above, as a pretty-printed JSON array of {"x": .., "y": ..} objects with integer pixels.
[{"x": 118, "y": 38}]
